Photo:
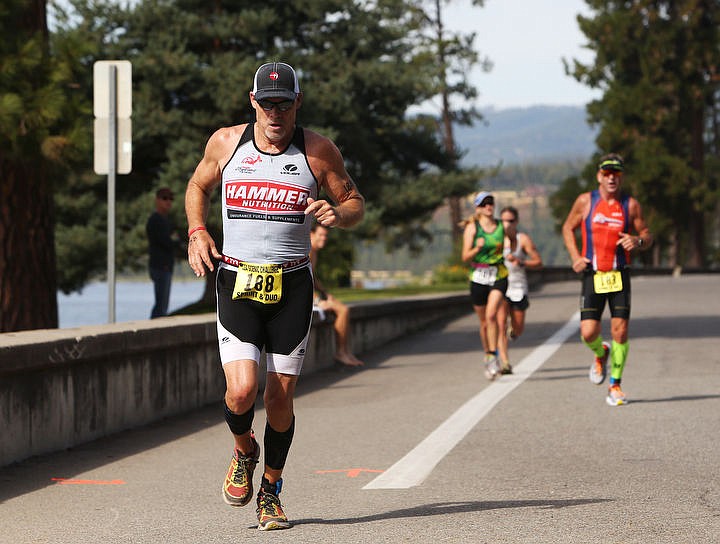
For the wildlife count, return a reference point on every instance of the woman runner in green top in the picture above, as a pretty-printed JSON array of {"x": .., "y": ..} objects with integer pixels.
[{"x": 483, "y": 249}]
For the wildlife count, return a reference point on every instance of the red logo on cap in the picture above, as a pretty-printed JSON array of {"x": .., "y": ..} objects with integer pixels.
[{"x": 274, "y": 75}]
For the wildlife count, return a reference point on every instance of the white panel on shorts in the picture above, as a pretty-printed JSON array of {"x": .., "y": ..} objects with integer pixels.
[
  {"x": 234, "y": 349},
  {"x": 289, "y": 364}
]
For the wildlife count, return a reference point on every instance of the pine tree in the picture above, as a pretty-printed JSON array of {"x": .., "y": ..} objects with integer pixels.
[
  {"x": 657, "y": 64},
  {"x": 361, "y": 65},
  {"x": 30, "y": 104}
]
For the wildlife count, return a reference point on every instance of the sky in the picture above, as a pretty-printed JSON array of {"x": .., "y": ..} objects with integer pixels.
[{"x": 526, "y": 41}]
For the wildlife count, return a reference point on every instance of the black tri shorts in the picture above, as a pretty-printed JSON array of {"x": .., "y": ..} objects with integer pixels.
[
  {"x": 479, "y": 293},
  {"x": 282, "y": 328},
  {"x": 592, "y": 304}
]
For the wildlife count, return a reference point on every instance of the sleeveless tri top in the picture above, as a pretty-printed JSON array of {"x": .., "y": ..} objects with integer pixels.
[
  {"x": 264, "y": 197},
  {"x": 491, "y": 254},
  {"x": 601, "y": 231},
  {"x": 517, "y": 277}
]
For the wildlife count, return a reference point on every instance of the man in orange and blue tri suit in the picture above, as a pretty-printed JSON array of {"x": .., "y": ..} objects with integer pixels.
[{"x": 606, "y": 218}]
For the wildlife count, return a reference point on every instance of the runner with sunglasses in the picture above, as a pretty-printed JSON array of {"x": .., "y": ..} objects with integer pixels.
[
  {"x": 270, "y": 173},
  {"x": 606, "y": 218},
  {"x": 483, "y": 249},
  {"x": 520, "y": 255}
]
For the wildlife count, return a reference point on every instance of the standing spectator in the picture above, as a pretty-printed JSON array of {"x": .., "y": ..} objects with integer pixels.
[
  {"x": 162, "y": 241},
  {"x": 326, "y": 302}
]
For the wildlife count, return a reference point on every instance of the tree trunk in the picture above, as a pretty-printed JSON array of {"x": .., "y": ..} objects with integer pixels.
[
  {"x": 696, "y": 225},
  {"x": 696, "y": 240},
  {"x": 28, "y": 287}
]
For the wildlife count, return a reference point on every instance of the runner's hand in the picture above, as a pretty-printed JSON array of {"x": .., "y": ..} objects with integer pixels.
[
  {"x": 324, "y": 212},
  {"x": 580, "y": 264},
  {"x": 627, "y": 241},
  {"x": 201, "y": 251}
]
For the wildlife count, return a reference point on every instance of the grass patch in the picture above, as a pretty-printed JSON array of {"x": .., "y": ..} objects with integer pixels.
[{"x": 350, "y": 294}]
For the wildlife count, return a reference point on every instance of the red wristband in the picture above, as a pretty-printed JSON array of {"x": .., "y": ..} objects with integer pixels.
[{"x": 191, "y": 231}]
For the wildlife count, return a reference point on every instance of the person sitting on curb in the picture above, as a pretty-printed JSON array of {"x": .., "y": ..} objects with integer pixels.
[{"x": 326, "y": 302}]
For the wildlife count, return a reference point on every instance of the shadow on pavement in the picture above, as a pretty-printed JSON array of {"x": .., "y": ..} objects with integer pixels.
[
  {"x": 37, "y": 472},
  {"x": 674, "y": 327},
  {"x": 680, "y": 398},
  {"x": 449, "y": 508}
]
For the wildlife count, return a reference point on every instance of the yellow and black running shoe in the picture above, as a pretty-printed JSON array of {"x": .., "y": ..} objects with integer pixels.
[
  {"x": 238, "y": 487},
  {"x": 269, "y": 510}
]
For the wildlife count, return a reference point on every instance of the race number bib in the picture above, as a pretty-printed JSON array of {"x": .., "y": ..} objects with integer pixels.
[
  {"x": 608, "y": 282},
  {"x": 485, "y": 276},
  {"x": 260, "y": 282}
]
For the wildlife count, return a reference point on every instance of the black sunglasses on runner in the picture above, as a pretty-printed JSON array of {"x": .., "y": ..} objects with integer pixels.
[{"x": 268, "y": 105}]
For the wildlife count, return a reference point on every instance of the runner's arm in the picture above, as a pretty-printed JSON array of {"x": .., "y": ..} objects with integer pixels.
[
  {"x": 201, "y": 246},
  {"x": 573, "y": 222},
  {"x": 327, "y": 164},
  {"x": 468, "y": 251},
  {"x": 533, "y": 260}
]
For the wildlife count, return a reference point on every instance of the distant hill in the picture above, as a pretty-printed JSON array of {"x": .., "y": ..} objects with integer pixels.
[{"x": 522, "y": 135}]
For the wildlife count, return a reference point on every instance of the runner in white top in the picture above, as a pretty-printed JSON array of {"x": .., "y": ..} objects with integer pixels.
[
  {"x": 520, "y": 254},
  {"x": 271, "y": 174}
]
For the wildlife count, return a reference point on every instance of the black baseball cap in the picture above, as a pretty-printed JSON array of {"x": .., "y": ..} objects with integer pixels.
[
  {"x": 164, "y": 192},
  {"x": 614, "y": 164},
  {"x": 275, "y": 80}
]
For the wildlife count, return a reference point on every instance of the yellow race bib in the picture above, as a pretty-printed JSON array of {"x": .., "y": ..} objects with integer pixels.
[
  {"x": 608, "y": 282},
  {"x": 259, "y": 282}
]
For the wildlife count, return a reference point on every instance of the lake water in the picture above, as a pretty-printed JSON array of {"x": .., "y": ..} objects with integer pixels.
[{"x": 133, "y": 301}]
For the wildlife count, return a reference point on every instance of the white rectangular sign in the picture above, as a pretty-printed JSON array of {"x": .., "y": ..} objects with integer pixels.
[
  {"x": 101, "y": 158},
  {"x": 101, "y": 88}
]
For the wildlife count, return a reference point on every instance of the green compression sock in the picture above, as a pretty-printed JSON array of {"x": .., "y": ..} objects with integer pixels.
[
  {"x": 596, "y": 345},
  {"x": 618, "y": 356}
]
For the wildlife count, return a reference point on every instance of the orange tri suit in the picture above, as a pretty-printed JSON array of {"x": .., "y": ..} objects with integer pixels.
[{"x": 607, "y": 277}]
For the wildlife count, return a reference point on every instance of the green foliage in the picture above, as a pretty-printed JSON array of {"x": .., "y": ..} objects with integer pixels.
[
  {"x": 335, "y": 260},
  {"x": 450, "y": 273},
  {"x": 35, "y": 134},
  {"x": 361, "y": 66},
  {"x": 656, "y": 62}
]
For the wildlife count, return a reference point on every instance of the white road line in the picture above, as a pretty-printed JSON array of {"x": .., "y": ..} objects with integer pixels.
[{"x": 417, "y": 465}]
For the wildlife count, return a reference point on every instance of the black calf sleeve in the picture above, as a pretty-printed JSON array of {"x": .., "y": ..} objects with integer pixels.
[
  {"x": 239, "y": 423},
  {"x": 277, "y": 446}
]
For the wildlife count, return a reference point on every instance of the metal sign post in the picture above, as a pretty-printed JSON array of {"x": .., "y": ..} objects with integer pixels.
[
  {"x": 112, "y": 80},
  {"x": 112, "y": 164}
]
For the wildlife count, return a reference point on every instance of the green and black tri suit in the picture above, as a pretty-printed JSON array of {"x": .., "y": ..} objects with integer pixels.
[{"x": 487, "y": 269}]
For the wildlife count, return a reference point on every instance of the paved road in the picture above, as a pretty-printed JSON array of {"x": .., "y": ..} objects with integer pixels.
[{"x": 537, "y": 457}]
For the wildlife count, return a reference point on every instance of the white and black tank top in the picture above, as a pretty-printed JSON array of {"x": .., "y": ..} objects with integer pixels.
[
  {"x": 517, "y": 276},
  {"x": 264, "y": 197}
]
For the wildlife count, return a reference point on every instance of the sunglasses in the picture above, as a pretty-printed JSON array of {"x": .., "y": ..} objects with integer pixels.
[
  {"x": 487, "y": 202},
  {"x": 283, "y": 106},
  {"x": 166, "y": 198},
  {"x": 509, "y": 220}
]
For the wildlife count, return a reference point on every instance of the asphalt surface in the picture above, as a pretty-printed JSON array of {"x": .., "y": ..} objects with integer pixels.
[{"x": 546, "y": 462}]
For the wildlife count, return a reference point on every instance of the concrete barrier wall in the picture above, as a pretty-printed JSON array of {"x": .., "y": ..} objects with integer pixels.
[{"x": 63, "y": 387}]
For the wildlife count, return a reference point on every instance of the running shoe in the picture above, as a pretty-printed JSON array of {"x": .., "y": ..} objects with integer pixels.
[
  {"x": 238, "y": 486},
  {"x": 269, "y": 510},
  {"x": 598, "y": 370},
  {"x": 511, "y": 333},
  {"x": 506, "y": 368},
  {"x": 615, "y": 396},
  {"x": 492, "y": 366}
]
